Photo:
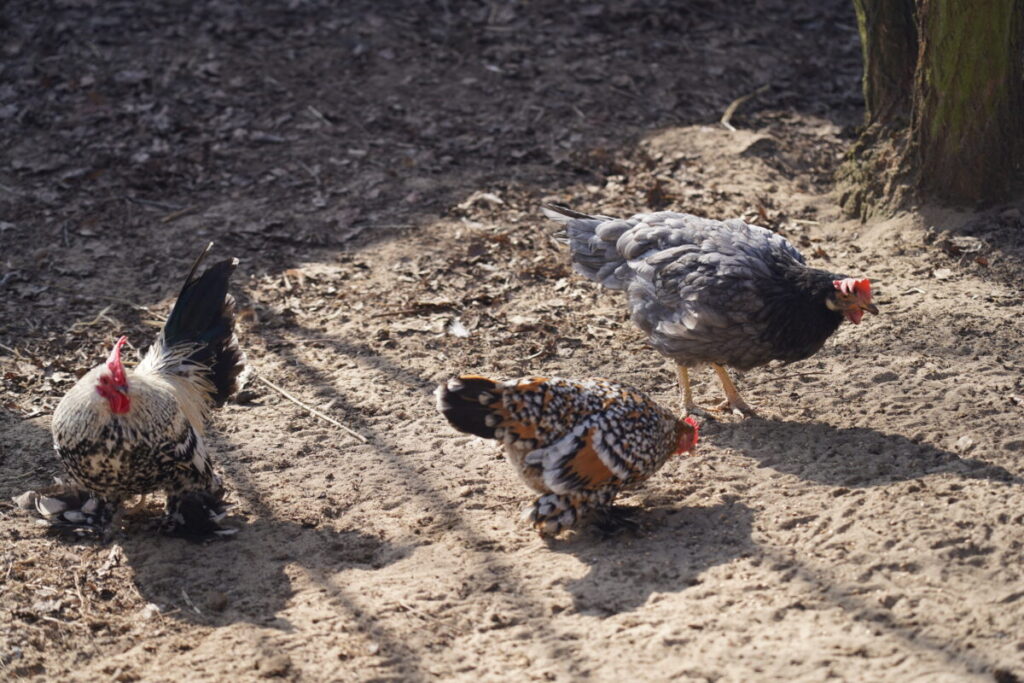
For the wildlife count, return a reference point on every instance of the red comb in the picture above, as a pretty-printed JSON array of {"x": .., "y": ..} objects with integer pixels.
[
  {"x": 861, "y": 287},
  {"x": 114, "y": 361}
]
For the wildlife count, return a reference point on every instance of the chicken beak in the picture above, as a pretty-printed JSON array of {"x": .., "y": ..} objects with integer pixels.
[{"x": 870, "y": 308}]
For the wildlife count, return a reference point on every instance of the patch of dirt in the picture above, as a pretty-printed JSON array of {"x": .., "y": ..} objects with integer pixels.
[{"x": 378, "y": 170}]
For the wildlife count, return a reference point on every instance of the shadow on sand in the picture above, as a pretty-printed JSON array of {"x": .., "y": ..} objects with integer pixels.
[
  {"x": 668, "y": 554},
  {"x": 846, "y": 456}
]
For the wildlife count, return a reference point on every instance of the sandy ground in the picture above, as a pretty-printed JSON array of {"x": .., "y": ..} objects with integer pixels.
[{"x": 378, "y": 171}]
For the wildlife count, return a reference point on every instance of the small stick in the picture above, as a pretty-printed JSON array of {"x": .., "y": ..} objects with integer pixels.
[
  {"x": 319, "y": 115},
  {"x": 100, "y": 317},
  {"x": 532, "y": 355},
  {"x": 412, "y": 610},
  {"x": 311, "y": 410},
  {"x": 189, "y": 602},
  {"x": 426, "y": 308},
  {"x": 735, "y": 104},
  {"x": 792, "y": 375},
  {"x": 14, "y": 352},
  {"x": 178, "y": 214},
  {"x": 83, "y": 608},
  {"x": 150, "y": 203}
]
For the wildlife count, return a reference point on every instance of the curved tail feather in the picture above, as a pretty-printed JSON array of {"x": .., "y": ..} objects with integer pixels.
[{"x": 203, "y": 318}]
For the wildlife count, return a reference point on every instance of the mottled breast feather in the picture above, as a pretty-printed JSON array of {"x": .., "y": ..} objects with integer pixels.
[
  {"x": 585, "y": 435},
  {"x": 153, "y": 447}
]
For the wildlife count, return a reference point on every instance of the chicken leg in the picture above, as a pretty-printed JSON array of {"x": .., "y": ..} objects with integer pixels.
[
  {"x": 684, "y": 383},
  {"x": 733, "y": 400},
  {"x": 689, "y": 406}
]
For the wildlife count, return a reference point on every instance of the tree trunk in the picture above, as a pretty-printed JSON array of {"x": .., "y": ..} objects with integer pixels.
[
  {"x": 944, "y": 92},
  {"x": 888, "y": 39},
  {"x": 968, "y": 120}
]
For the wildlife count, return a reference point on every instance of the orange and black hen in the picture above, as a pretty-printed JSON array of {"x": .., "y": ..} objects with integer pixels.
[{"x": 576, "y": 442}]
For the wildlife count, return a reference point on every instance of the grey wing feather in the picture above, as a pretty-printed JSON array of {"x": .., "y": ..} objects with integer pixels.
[{"x": 694, "y": 284}]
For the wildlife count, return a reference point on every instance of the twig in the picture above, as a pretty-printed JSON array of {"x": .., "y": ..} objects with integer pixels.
[
  {"x": 412, "y": 610},
  {"x": 311, "y": 410},
  {"x": 100, "y": 317},
  {"x": 81, "y": 598},
  {"x": 15, "y": 352},
  {"x": 532, "y": 355},
  {"x": 735, "y": 104},
  {"x": 317, "y": 114},
  {"x": 792, "y": 375},
  {"x": 425, "y": 308},
  {"x": 189, "y": 602},
  {"x": 175, "y": 215},
  {"x": 155, "y": 205}
]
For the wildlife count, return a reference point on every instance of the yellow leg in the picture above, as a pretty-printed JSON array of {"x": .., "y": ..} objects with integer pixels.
[
  {"x": 684, "y": 383},
  {"x": 732, "y": 396}
]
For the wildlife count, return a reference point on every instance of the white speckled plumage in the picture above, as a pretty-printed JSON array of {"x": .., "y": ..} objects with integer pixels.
[
  {"x": 156, "y": 441},
  {"x": 576, "y": 442}
]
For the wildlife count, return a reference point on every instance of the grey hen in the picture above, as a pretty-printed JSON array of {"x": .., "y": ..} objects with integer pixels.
[{"x": 719, "y": 292}]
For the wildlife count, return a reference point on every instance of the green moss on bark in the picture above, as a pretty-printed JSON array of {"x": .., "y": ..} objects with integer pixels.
[
  {"x": 965, "y": 141},
  {"x": 967, "y": 118}
]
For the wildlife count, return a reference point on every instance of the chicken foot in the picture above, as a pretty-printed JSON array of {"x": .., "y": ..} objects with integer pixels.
[
  {"x": 733, "y": 401},
  {"x": 551, "y": 513},
  {"x": 689, "y": 406}
]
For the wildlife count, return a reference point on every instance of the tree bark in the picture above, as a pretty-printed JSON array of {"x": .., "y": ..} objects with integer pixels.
[
  {"x": 888, "y": 39},
  {"x": 968, "y": 115},
  {"x": 944, "y": 92}
]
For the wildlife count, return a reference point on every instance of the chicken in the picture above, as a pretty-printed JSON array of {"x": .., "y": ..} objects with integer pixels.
[
  {"x": 576, "y": 442},
  {"x": 121, "y": 432},
  {"x": 723, "y": 293}
]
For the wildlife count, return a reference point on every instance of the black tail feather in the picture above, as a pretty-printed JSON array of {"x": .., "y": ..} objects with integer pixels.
[
  {"x": 204, "y": 316},
  {"x": 562, "y": 213},
  {"x": 465, "y": 402}
]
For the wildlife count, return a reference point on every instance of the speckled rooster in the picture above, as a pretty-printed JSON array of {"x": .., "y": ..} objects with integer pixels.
[
  {"x": 723, "y": 293},
  {"x": 122, "y": 432},
  {"x": 576, "y": 442}
]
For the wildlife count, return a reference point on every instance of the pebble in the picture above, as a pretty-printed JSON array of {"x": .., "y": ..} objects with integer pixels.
[
  {"x": 216, "y": 601},
  {"x": 274, "y": 665}
]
